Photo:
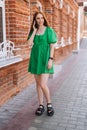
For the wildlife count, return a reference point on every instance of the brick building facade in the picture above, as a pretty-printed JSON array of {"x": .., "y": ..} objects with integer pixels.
[
  {"x": 62, "y": 16},
  {"x": 83, "y": 17}
]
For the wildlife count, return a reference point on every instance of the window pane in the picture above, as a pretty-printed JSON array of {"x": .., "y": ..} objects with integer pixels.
[{"x": 1, "y": 26}]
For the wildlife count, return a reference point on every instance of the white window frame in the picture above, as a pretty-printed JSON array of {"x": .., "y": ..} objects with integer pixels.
[{"x": 2, "y": 5}]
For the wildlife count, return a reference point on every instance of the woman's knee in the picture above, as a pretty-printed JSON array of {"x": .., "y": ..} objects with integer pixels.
[
  {"x": 40, "y": 81},
  {"x": 43, "y": 85},
  {"x": 40, "y": 84}
]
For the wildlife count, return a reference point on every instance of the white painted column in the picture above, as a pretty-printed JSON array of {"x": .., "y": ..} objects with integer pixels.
[
  {"x": 2, "y": 5},
  {"x": 4, "y": 21}
]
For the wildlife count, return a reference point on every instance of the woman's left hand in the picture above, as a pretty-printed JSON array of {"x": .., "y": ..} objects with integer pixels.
[{"x": 50, "y": 62}]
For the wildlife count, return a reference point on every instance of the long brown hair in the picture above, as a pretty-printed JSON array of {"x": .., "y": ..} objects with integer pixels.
[{"x": 34, "y": 18}]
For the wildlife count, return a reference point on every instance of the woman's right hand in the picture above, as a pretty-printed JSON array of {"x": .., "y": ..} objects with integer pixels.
[
  {"x": 30, "y": 44},
  {"x": 50, "y": 62}
]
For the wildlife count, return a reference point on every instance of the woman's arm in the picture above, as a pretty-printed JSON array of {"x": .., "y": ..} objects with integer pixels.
[
  {"x": 51, "y": 50},
  {"x": 30, "y": 40},
  {"x": 50, "y": 62}
]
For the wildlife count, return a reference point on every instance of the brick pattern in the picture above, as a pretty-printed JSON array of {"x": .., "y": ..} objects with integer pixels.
[
  {"x": 13, "y": 79},
  {"x": 17, "y": 20}
]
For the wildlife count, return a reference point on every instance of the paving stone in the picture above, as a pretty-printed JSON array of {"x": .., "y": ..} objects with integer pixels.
[
  {"x": 37, "y": 121},
  {"x": 32, "y": 128},
  {"x": 60, "y": 128}
]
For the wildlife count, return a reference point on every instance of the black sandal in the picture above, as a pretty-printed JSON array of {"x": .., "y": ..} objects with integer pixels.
[
  {"x": 50, "y": 110},
  {"x": 40, "y": 110}
]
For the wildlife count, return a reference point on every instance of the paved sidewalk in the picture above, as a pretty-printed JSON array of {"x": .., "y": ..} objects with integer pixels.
[{"x": 69, "y": 96}]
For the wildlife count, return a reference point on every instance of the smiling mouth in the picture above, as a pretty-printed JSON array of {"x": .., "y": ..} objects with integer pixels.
[{"x": 40, "y": 22}]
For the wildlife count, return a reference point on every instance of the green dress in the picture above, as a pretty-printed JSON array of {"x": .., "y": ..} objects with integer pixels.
[{"x": 40, "y": 52}]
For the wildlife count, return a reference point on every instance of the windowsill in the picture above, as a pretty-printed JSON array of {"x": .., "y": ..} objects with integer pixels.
[{"x": 10, "y": 61}]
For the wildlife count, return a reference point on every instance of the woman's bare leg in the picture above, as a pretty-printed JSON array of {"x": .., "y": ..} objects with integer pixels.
[
  {"x": 42, "y": 88},
  {"x": 39, "y": 90},
  {"x": 44, "y": 80},
  {"x": 43, "y": 83}
]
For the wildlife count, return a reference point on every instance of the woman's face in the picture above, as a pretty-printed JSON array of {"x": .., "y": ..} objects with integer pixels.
[{"x": 40, "y": 19}]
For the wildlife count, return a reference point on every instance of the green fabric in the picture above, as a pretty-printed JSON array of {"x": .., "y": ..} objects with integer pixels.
[{"x": 40, "y": 52}]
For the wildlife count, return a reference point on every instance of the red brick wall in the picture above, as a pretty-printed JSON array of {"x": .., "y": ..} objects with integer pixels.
[
  {"x": 13, "y": 79},
  {"x": 17, "y": 20},
  {"x": 19, "y": 17}
]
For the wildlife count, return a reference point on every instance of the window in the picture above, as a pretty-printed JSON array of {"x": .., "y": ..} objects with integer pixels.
[{"x": 2, "y": 22}]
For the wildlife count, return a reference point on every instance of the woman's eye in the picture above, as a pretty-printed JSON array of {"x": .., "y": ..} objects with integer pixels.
[{"x": 40, "y": 18}]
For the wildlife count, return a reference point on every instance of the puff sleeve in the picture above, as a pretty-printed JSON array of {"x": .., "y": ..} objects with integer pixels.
[{"x": 52, "y": 37}]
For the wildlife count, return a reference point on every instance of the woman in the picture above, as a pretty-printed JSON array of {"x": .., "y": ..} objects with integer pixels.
[{"x": 43, "y": 38}]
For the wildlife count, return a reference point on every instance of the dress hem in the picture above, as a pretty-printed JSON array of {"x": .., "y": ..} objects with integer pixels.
[{"x": 42, "y": 73}]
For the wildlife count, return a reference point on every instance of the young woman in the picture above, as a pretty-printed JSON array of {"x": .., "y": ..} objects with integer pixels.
[{"x": 43, "y": 38}]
